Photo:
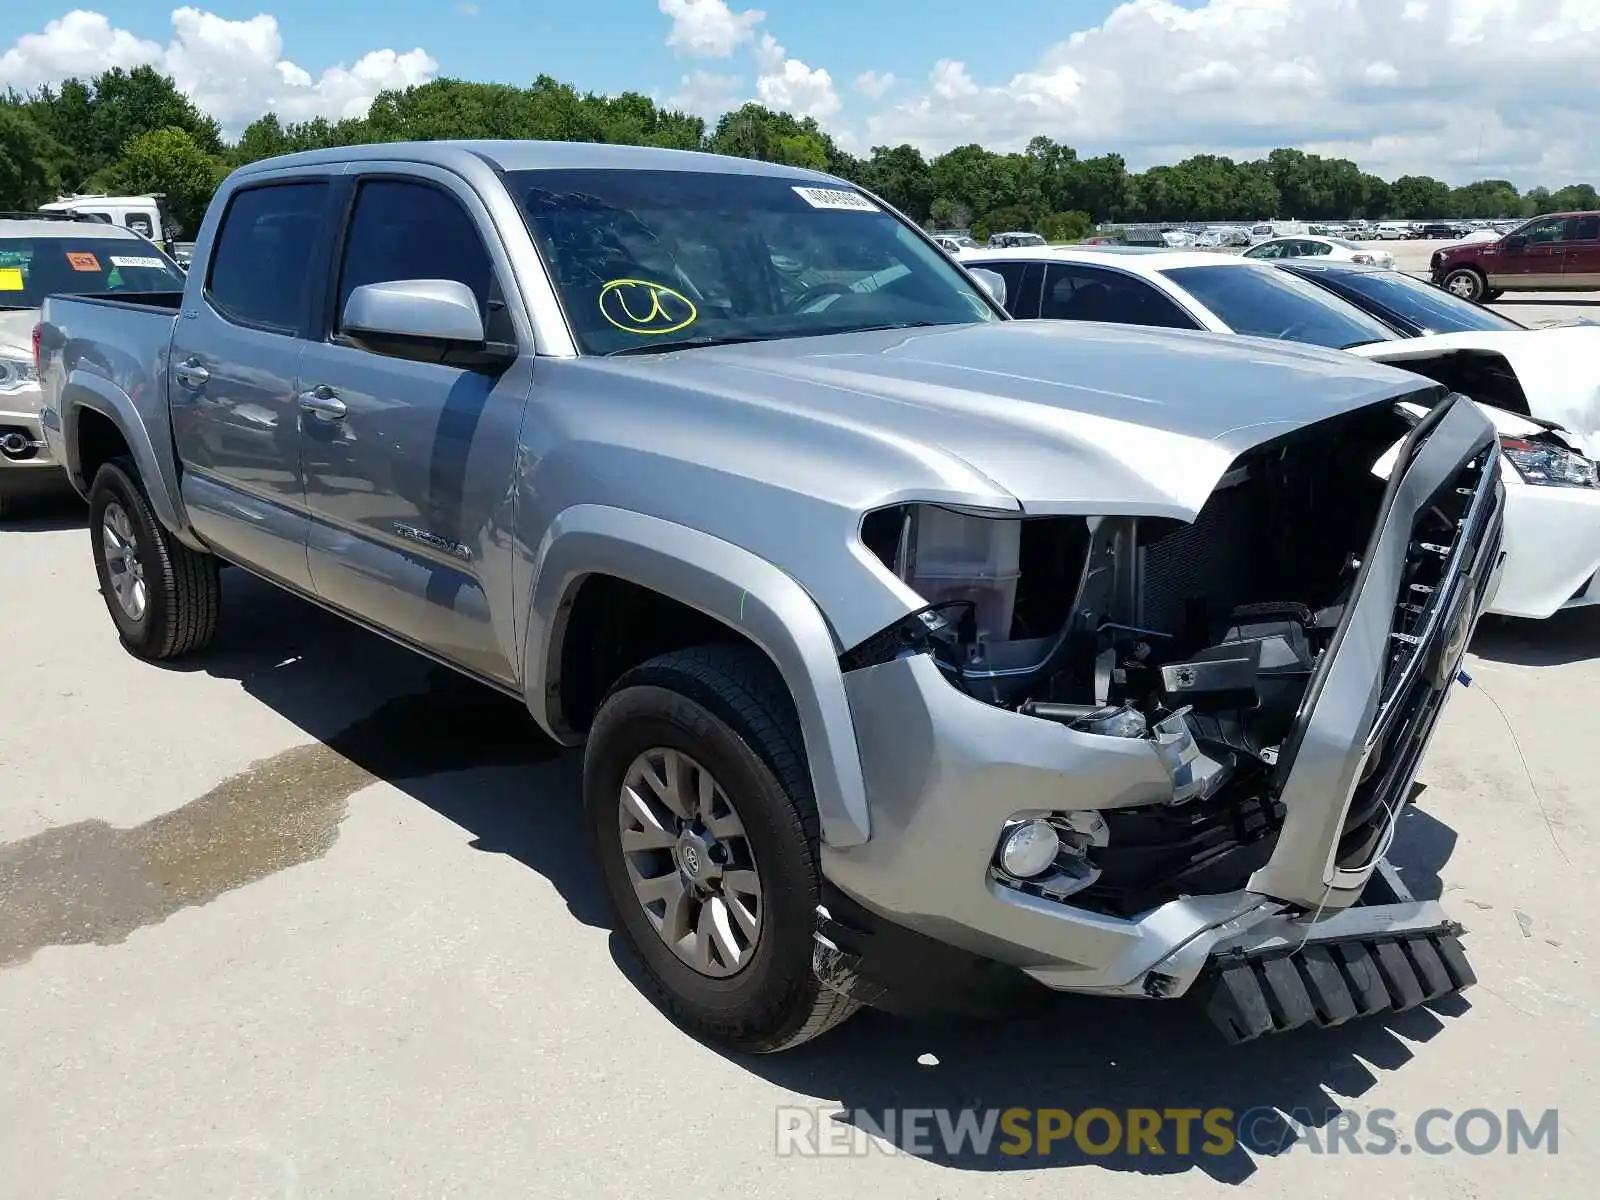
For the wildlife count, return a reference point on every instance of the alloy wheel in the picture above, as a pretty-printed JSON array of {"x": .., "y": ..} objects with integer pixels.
[
  {"x": 689, "y": 862},
  {"x": 120, "y": 545}
]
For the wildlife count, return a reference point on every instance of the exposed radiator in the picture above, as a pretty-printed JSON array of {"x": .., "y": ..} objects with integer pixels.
[{"x": 1209, "y": 558}]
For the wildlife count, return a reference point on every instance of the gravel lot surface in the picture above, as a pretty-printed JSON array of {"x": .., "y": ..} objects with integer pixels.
[{"x": 307, "y": 918}]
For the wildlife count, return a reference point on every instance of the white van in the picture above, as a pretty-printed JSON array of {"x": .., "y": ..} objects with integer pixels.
[{"x": 145, "y": 215}]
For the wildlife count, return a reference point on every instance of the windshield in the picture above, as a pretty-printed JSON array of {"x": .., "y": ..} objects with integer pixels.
[
  {"x": 1431, "y": 309},
  {"x": 1265, "y": 302},
  {"x": 645, "y": 260},
  {"x": 36, "y": 267}
]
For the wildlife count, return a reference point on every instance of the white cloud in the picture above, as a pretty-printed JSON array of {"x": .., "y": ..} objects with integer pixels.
[
  {"x": 468, "y": 9},
  {"x": 789, "y": 84},
  {"x": 1458, "y": 88},
  {"x": 708, "y": 28},
  {"x": 875, "y": 84},
  {"x": 233, "y": 70}
]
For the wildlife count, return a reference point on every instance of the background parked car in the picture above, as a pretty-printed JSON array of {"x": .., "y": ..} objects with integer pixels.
[
  {"x": 1337, "y": 249},
  {"x": 1558, "y": 252}
]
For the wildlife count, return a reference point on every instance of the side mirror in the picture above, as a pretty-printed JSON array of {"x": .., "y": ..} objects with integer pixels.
[
  {"x": 992, "y": 282},
  {"x": 430, "y": 319}
]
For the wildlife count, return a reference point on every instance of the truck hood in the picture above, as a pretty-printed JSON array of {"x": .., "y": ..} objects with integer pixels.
[
  {"x": 1046, "y": 416},
  {"x": 1558, "y": 369}
]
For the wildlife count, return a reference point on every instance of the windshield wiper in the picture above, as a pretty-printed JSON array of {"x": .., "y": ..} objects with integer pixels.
[{"x": 692, "y": 343}]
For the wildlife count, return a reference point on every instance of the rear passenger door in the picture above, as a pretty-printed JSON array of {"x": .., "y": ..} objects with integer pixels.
[
  {"x": 234, "y": 359},
  {"x": 1581, "y": 266},
  {"x": 1074, "y": 292},
  {"x": 409, "y": 462}
]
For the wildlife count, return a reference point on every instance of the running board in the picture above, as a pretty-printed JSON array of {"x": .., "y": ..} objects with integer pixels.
[{"x": 1328, "y": 983}]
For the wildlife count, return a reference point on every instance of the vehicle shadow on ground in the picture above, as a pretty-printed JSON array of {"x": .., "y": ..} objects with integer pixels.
[
  {"x": 1286, "y": 1092},
  {"x": 401, "y": 720},
  {"x": 1565, "y": 637},
  {"x": 45, "y": 514}
]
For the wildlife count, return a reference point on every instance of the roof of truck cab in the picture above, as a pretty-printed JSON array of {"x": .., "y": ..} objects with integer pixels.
[
  {"x": 537, "y": 156},
  {"x": 21, "y": 227}
]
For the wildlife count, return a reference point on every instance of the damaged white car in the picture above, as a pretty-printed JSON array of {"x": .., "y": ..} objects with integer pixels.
[{"x": 1541, "y": 387}]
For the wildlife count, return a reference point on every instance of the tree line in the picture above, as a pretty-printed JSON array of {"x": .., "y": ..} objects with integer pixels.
[{"x": 132, "y": 132}]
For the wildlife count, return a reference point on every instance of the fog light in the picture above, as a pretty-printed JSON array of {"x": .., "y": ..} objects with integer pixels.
[{"x": 1029, "y": 849}]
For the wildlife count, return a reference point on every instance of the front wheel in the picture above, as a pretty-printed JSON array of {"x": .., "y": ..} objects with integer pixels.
[
  {"x": 1466, "y": 283},
  {"x": 698, "y": 801},
  {"x": 162, "y": 596}
]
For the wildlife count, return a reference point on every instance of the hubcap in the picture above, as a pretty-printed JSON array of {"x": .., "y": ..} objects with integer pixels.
[
  {"x": 121, "y": 548},
  {"x": 689, "y": 861},
  {"x": 1464, "y": 287}
]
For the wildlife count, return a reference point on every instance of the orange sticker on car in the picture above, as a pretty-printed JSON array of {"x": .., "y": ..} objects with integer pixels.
[{"x": 83, "y": 261}]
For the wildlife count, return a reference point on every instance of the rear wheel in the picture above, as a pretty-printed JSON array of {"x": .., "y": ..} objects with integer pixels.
[
  {"x": 1466, "y": 283},
  {"x": 163, "y": 597},
  {"x": 699, "y": 804}
]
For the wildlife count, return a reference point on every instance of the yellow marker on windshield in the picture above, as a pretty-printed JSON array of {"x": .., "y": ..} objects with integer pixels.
[
  {"x": 10, "y": 279},
  {"x": 640, "y": 306}
]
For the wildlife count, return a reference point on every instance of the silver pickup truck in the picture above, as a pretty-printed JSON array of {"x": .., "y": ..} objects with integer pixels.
[{"x": 920, "y": 656}]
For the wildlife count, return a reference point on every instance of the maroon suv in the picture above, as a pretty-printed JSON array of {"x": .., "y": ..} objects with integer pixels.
[{"x": 1558, "y": 252}]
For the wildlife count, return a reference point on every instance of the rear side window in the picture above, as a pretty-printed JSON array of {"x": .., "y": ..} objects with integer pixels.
[
  {"x": 1077, "y": 293},
  {"x": 1586, "y": 229},
  {"x": 400, "y": 231},
  {"x": 261, "y": 264}
]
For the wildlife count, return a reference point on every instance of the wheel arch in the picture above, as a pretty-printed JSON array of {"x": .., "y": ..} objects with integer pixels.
[
  {"x": 699, "y": 578},
  {"x": 95, "y": 416}
]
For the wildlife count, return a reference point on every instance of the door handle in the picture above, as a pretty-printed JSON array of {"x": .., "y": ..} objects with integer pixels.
[
  {"x": 190, "y": 373},
  {"x": 323, "y": 403}
]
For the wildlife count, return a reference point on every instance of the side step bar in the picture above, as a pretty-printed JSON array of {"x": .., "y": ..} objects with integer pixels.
[{"x": 1329, "y": 983}]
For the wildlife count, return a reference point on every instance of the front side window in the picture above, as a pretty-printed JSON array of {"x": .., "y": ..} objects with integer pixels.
[
  {"x": 33, "y": 268},
  {"x": 647, "y": 259},
  {"x": 1266, "y": 250},
  {"x": 1266, "y": 302},
  {"x": 1430, "y": 309},
  {"x": 1549, "y": 229},
  {"x": 400, "y": 230},
  {"x": 262, "y": 259},
  {"x": 1018, "y": 304},
  {"x": 1076, "y": 293}
]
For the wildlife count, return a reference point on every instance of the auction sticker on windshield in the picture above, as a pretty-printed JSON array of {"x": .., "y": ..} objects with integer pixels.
[
  {"x": 836, "y": 198},
  {"x": 120, "y": 261},
  {"x": 83, "y": 261},
  {"x": 11, "y": 279}
]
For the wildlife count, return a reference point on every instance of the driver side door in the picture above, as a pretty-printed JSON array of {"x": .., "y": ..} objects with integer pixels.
[
  {"x": 409, "y": 460},
  {"x": 1539, "y": 261}
]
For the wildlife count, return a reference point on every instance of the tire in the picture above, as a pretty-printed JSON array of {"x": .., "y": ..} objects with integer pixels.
[
  {"x": 1465, "y": 282},
  {"x": 181, "y": 593},
  {"x": 724, "y": 710}
]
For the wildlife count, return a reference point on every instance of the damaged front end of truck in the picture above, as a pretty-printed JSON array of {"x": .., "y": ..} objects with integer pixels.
[{"x": 1147, "y": 757}]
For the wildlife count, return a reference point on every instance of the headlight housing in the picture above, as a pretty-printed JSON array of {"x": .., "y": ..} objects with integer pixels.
[
  {"x": 1546, "y": 465},
  {"x": 16, "y": 371}
]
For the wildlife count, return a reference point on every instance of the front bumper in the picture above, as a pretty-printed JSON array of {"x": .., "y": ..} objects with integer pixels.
[
  {"x": 945, "y": 772},
  {"x": 1552, "y": 543}
]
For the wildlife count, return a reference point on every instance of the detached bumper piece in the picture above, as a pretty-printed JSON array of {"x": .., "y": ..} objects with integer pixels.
[{"x": 1329, "y": 983}]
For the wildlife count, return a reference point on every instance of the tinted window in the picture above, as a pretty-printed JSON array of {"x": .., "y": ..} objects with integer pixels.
[
  {"x": 1430, "y": 309},
  {"x": 1077, "y": 293},
  {"x": 401, "y": 230},
  {"x": 33, "y": 268},
  {"x": 1268, "y": 302},
  {"x": 1266, "y": 250},
  {"x": 642, "y": 259},
  {"x": 1586, "y": 229},
  {"x": 1022, "y": 285},
  {"x": 139, "y": 223},
  {"x": 261, "y": 263},
  {"x": 1552, "y": 229}
]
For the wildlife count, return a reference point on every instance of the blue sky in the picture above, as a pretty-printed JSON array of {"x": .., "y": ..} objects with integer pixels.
[
  {"x": 617, "y": 44},
  {"x": 1461, "y": 89}
]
